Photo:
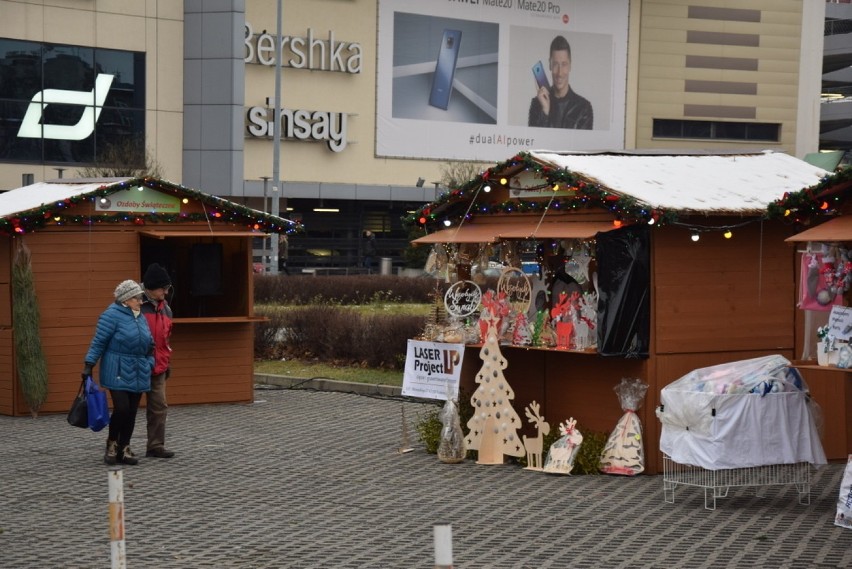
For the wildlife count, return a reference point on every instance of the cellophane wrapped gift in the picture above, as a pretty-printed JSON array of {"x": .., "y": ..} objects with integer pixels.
[
  {"x": 560, "y": 457},
  {"x": 451, "y": 449},
  {"x": 623, "y": 452}
]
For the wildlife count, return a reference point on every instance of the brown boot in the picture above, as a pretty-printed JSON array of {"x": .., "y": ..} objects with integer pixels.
[
  {"x": 111, "y": 454},
  {"x": 127, "y": 457}
]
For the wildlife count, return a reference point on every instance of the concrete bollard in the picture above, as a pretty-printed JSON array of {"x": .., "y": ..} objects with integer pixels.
[
  {"x": 116, "y": 519},
  {"x": 444, "y": 546}
]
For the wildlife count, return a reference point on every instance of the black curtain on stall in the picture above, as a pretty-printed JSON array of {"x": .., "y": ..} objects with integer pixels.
[{"x": 624, "y": 287}]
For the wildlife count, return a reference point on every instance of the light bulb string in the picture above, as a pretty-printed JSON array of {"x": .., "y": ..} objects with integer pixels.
[
  {"x": 469, "y": 206},
  {"x": 706, "y": 228},
  {"x": 546, "y": 209}
]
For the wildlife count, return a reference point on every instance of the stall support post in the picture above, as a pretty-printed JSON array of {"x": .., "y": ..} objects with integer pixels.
[
  {"x": 443, "y": 546},
  {"x": 116, "y": 519}
]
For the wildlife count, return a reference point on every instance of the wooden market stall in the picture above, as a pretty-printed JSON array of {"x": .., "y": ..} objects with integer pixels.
[
  {"x": 689, "y": 269},
  {"x": 86, "y": 236},
  {"x": 830, "y": 385}
]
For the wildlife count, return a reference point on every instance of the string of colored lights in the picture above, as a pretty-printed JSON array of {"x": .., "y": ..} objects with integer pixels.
[
  {"x": 224, "y": 211},
  {"x": 800, "y": 207}
]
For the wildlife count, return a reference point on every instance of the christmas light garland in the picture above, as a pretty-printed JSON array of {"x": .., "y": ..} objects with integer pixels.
[
  {"x": 586, "y": 195},
  {"x": 822, "y": 199},
  {"x": 223, "y": 211}
]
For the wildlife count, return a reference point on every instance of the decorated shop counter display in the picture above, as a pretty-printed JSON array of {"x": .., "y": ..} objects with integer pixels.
[
  {"x": 740, "y": 414},
  {"x": 623, "y": 452},
  {"x": 552, "y": 307}
]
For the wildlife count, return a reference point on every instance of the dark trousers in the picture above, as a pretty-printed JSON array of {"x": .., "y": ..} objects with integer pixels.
[{"x": 124, "y": 406}]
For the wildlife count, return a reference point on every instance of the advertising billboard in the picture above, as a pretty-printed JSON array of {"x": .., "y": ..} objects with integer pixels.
[{"x": 479, "y": 80}]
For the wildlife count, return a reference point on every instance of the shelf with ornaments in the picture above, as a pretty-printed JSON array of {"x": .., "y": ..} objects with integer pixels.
[{"x": 541, "y": 292}]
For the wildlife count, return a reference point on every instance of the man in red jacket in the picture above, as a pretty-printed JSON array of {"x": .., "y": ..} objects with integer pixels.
[{"x": 157, "y": 311}]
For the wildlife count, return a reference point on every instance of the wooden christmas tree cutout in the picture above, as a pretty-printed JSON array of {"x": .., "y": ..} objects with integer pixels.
[{"x": 494, "y": 424}]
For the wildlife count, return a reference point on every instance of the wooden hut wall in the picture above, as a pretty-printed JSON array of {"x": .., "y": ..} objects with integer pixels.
[
  {"x": 76, "y": 270},
  {"x": 75, "y": 273},
  {"x": 212, "y": 363},
  {"x": 723, "y": 295},
  {"x": 7, "y": 377},
  {"x": 714, "y": 301}
]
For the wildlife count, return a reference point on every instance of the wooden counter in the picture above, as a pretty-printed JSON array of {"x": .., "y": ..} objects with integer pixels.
[{"x": 831, "y": 388}]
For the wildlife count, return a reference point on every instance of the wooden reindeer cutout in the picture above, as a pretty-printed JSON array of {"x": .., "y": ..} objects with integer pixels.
[{"x": 534, "y": 446}]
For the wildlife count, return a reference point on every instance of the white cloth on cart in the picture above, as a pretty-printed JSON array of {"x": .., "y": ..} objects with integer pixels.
[{"x": 723, "y": 417}]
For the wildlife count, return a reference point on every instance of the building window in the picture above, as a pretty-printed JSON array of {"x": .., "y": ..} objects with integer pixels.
[
  {"x": 68, "y": 104},
  {"x": 716, "y": 130}
]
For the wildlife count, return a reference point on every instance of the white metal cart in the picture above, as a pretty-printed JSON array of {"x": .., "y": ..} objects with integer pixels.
[
  {"x": 746, "y": 423},
  {"x": 716, "y": 483}
]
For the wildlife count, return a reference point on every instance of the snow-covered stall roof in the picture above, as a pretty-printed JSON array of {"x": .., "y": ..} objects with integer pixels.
[
  {"x": 710, "y": 183},
  {"x": 29, "y": 207},
  {"x": 653, "y": 186}
]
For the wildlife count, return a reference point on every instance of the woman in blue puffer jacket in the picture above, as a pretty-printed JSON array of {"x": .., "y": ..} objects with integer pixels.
[{"x": 125, "y": 348}]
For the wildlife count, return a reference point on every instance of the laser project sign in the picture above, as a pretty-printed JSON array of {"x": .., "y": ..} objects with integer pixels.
[{"x": 432, "y": 369}]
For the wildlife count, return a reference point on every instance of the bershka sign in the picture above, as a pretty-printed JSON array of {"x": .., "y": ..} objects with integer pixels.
[
  {"x": 92, "y": 101},
  {"x": 302, "y": 125},
  {"x": 303, "y": 52}
]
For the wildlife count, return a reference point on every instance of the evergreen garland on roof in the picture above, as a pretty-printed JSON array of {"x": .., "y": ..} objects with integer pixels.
[{"x": 222, "y": 211}]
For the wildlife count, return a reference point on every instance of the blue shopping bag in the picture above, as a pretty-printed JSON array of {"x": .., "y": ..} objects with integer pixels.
[{"x": 96, "y": 400}]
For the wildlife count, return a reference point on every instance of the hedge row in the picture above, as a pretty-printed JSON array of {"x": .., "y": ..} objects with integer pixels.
[
  {"x": 308, "y": 318},
  {"x": 363, "y": 289},
  {"x": 336, "y": 335}
]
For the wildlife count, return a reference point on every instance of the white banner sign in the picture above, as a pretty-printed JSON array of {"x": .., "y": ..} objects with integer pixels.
[
  {"x": 482, "y": 80},
  {"x": 432, "y": 367}
]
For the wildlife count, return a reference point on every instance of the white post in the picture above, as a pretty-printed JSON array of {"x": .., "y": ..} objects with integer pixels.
[
  {"x": 267, "y": 241},
  {"x": 444, "y": 546},
  {"x": 276, "y": 141},
  {"x": 116, "y": 518}
]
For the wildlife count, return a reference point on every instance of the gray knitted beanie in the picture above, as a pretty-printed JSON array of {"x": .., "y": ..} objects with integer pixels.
[{"x": 127, "y": 290}]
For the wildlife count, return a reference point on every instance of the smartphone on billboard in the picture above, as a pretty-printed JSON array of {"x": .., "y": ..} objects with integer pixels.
[
  {"x": 445, "y": 69},
  {"x": 540, "y": 75}
]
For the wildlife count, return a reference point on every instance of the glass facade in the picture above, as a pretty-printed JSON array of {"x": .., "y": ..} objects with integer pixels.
[{"x": 69, "y": 104}]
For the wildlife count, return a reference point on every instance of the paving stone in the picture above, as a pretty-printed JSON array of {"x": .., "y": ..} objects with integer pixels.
[{"x": 305, "y": 479}]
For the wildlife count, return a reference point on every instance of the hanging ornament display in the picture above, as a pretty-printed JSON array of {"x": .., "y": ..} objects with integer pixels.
[{"x": 826, "y": 275}]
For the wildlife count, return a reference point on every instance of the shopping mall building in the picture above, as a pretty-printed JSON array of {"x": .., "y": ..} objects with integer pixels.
[{"x": 379, "y": 95}]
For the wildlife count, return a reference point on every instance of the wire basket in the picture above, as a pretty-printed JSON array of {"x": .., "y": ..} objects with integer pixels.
[{"x": 716, "y": 483}]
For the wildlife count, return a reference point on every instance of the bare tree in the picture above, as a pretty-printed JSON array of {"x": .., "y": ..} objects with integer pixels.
[
  {"x": 455, "y": 173},
  {"x": 125, "y": 158}
]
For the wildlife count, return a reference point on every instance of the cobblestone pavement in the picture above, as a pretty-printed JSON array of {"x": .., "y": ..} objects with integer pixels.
[{"x": 313, "y": 479}]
